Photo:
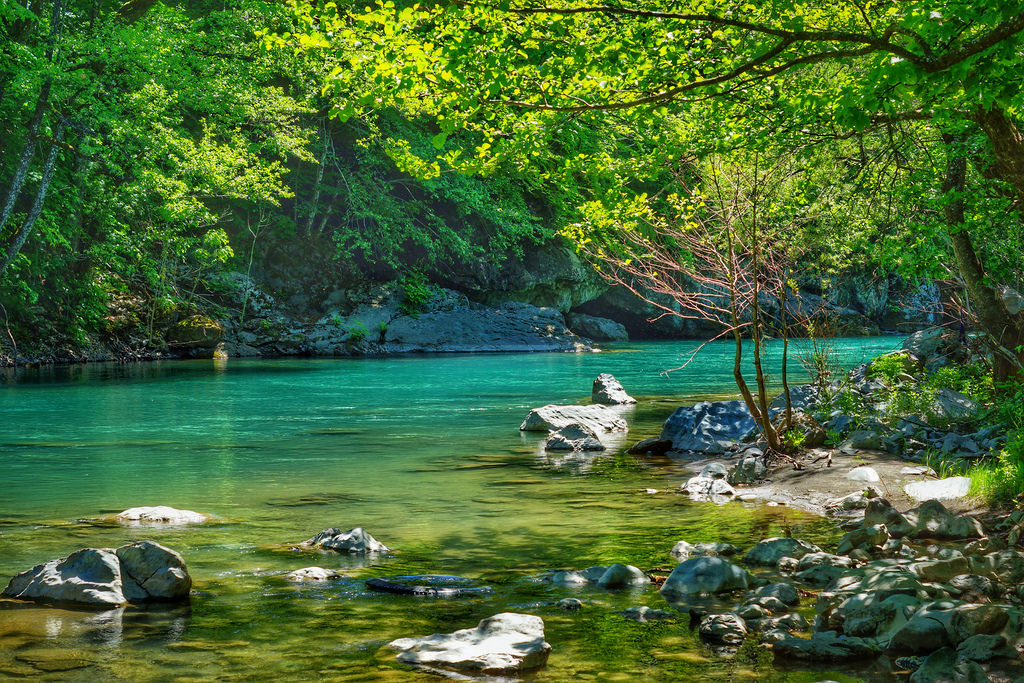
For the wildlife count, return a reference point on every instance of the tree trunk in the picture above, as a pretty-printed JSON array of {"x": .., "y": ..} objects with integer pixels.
[
  {"x": 1005, "y": 331},
  {"x": 37, "y": 205}
]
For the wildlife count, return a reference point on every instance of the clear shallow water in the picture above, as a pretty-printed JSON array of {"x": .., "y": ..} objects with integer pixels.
[{"x": 423, "y": 451}]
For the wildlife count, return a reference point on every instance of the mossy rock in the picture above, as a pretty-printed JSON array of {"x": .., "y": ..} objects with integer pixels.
[{"x": 195, "y": 332}]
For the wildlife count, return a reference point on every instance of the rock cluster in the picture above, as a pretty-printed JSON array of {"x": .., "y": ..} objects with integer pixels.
[{"x": 138, "y": 572}]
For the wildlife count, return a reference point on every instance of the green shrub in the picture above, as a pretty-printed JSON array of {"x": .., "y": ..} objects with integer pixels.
[{"x": 416, "y": 292}]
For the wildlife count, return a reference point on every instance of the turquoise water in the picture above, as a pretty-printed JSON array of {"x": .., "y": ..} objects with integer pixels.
[{"x": 423, "y": 451}]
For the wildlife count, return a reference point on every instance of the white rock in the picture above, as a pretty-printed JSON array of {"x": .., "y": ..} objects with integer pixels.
[
  {"x": 863, "y": 473},
  {"x": 312, "y": 574},
  {"x": 135, "y": 572},
  {"x": 161, "y": 514},
  {"x": 940, "y": 489},
  {"x": 609, "y": 391},
  {"x": 351, "y": 541},
  {"x": 505, "y": 644},
  {"x": 574, "y": 437},
  {"x": 552, "y": 417}
]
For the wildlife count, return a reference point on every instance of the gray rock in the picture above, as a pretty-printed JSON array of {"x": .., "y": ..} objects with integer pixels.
[
  {"x": 714, "y": 470},
  {"x": 609, "y": 392},
  {"x": 864, "y": 538},
  {"x": 872, "y": 614},
  {"x": 704, "y": 575},
  {"x": 644, "y": 614},
  {"x": 943, "y": 666},
  {"x": 819, "y": 576},
  {"x": 785, "y": 592},
  {"x": 827, "y": 646},
  {"x": 570, "y": 604},
  {"x": 684, "y": 551},
  {"x": 981, "y": 648},
  {"x": 505, "y": 644},
  {"x": 925, "y": 632},
  {"x": 723, "y": 629},
  {"x": 160, "y": 514},
  {"x": 973, "y": 587},
  {"x": 932, "y": 520},
  {"x": 949, "y": 488},
  {"x": 553, "y": 417},
  {"x": 953, "y": 405},
  {"x": 312, "y": 574},
  {"x": 861, "y": 440},
  {"x": 767, "y": 552},
  {"x": 708, "y": 427},
  {"x": 748, "y": 470},
  {"x": 574, "y": 437},
  {"x": 596, "y": 328},
  {"x": 774, "y": 636},
  {"x": 137, "y": 572},
  {"x": 706, "y": 487},
  {"x": 770, "y": 603},
  {"x": 940, "y": 571},
  {"x": 622, "y": 576},
  {"x": 789, "y": 622},
  {"x": 352, "y": 541},
  {"x": 803, "y": 398}
]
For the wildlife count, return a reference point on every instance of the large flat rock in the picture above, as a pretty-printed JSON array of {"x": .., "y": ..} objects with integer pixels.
[{"x": 554, "y": 417}]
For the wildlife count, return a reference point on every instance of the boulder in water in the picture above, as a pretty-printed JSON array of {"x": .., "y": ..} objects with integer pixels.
[
  {"x": 312, "y": 574},
  {"x": 553, "y": 417},
  {"x": 574, "y": 437},
  {"x": 138, "y": 572},
  {"x": 351, "y": 541},
  {"x": 608, "y": 391},
  {"x": 704, "y": 575},
  {"x": 708, "y": 427},
  {"x": 160, "y": 514},
  {"x": 503, "y": 645},
  {"x": 768, "y": 551}
]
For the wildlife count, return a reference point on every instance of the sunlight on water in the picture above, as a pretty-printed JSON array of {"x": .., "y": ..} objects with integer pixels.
[{"x": 422, "y": 451}]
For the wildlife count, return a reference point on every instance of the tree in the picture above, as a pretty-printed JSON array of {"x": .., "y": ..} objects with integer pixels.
[{"x": 712, "y": 75}]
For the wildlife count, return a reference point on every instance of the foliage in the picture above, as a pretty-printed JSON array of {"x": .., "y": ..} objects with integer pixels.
[{"x": 416, "y": 292}]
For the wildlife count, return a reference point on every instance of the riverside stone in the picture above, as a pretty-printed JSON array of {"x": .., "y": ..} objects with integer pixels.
[
  {"x": 137, "y": 572},
  {"x": 943, "y": 666},
  {"x": 706, "y": 487},
  {"x": 611, "y": 577},
  {"x": 748, "y": 470},
  {"x": 596, "y": 328},
  {"x": 574, "y": 437},
  {"x": 554, "y": 417},
  {"x": 704, "y": 575},
  {"x": 355, "y": 540},
  {"x": 864, "y": 474},
  {"x": 504, "y": 644},
  {"x": 708, "y": 427},
  {"x": 608, "y": 391},
  {"x": 644, "y": 614},
  {"x": 949, "y": 488}
]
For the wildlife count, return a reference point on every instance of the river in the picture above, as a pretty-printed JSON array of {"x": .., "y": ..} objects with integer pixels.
[{"x": 423, "y": 451}]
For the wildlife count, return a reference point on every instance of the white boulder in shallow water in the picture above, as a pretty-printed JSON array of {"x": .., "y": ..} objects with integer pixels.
[
  {"x": 312, "y": 574},
  {"x": 160, "y": 514},
  {"x": 505, "y": 644},
  {"x": 137, "y": 572},
  {"x": 608, "y": 391},
  {"x": 552, "y": 417},
  {"x": 574, "y": 437},
  {"x": 351, "y": 541},
  {"x": 614, "y": 576}
]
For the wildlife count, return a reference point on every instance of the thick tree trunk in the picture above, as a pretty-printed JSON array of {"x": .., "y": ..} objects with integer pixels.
[
  {"x": 1005, "y": 331},
  {"x": 1007, "y": 141}
]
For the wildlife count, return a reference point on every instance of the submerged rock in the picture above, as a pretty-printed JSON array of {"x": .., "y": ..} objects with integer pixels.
[
  {"x": 708, "y": 427},
  {"x": 609, "y": 392},
  {"x": 312, "y": 574},
  {"x": 505, "y": 644},
  {"x": 827, "y": 646},
  {"x": 644, "y": 614},
  {"x": 161, "y": 514},
  {"x": 574, "y": 437},
  {"x": 351, "y": 541},
  {"x": 137, "y": 572},
  {"x": 611, "y": 577},
  {"x": 651, "y": 446},
  {"x": 704, "y": 575},
  {"x": 554, "y": 417}
]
